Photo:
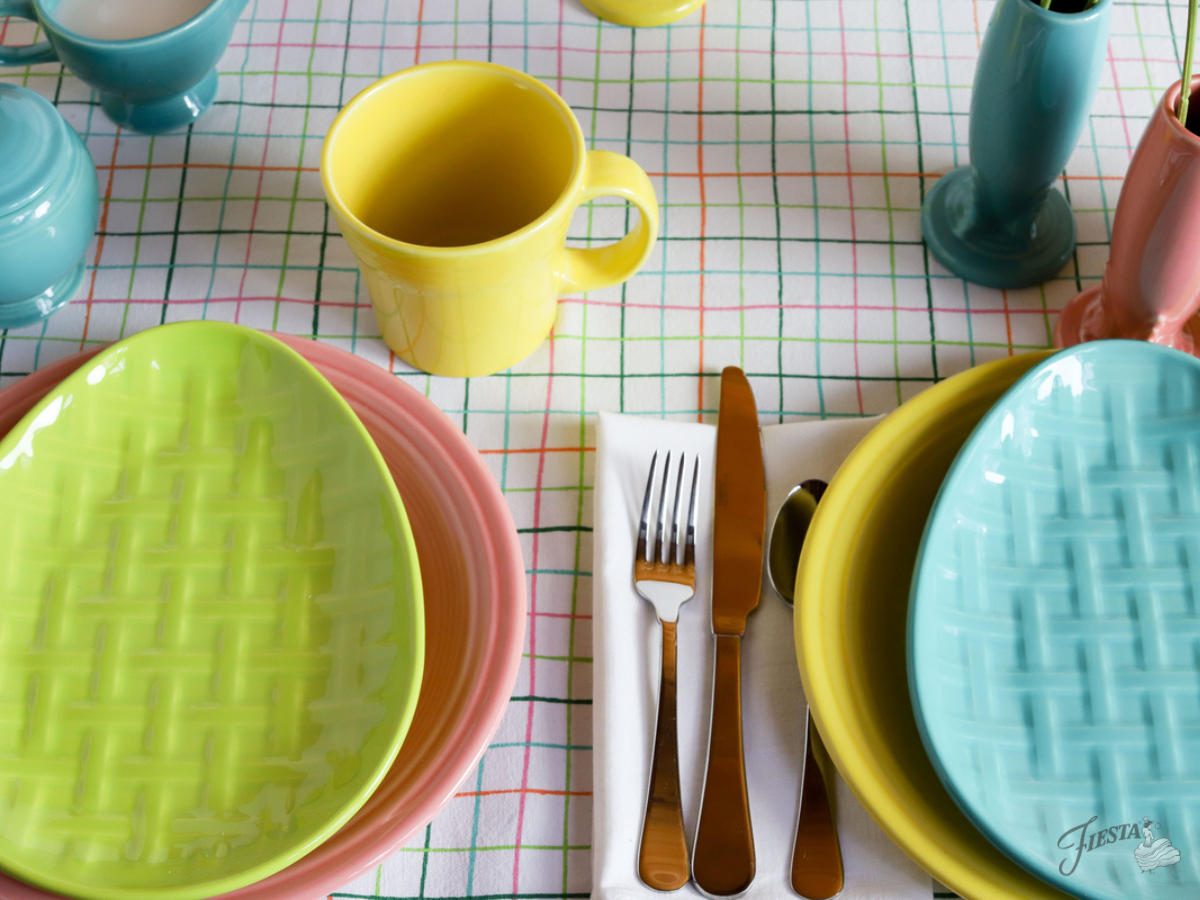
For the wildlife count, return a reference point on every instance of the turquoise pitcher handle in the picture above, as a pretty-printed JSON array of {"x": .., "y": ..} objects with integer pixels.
[{"x": 31, "y": 53}]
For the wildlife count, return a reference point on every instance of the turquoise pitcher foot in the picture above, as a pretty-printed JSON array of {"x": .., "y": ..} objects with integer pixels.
[
  {"x": 994, "y": 257},
  {"x": 33, "y": 310},
  {"x": 165, "y": 114}
]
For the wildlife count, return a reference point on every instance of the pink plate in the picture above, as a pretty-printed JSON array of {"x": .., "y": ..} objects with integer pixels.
[{"x": 474, "y": 581}]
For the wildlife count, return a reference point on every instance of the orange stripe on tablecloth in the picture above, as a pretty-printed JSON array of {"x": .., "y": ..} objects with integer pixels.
[{"x": 420, "y": 25}]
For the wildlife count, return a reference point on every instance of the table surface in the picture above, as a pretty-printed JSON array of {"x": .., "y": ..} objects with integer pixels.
[{"x": 790, "y": 143}]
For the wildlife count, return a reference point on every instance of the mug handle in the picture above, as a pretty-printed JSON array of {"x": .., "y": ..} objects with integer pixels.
[
  {"x": 611, "y": 174},
  {"x": 30, "y": 53}
]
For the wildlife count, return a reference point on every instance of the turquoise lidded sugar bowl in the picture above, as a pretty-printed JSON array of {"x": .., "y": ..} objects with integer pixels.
[{"x": 49, "y": 203}]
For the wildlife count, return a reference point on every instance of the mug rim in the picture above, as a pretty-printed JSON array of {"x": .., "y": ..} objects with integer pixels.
[
  {"x": 571, "y": 189},
  {"x": 52, "y": 24}
]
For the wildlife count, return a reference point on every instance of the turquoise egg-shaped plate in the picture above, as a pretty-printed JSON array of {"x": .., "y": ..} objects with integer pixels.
[{"x": 1054, "y": 630}]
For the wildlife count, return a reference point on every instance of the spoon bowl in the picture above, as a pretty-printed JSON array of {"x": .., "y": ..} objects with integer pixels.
[{"x": 787, "y": 536}]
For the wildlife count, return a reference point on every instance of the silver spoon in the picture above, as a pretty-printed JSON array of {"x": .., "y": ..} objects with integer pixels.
[{"x": 817, "y": 872}]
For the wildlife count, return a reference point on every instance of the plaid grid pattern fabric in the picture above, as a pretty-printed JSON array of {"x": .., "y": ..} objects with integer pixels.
[{"x": 790, "y": 142}]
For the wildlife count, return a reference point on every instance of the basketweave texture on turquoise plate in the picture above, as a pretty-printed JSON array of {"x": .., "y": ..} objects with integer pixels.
[{"x": 1054, "y": 630}]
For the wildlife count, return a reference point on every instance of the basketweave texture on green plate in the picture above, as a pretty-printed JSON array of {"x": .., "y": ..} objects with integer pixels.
[{"x": 211, "y": 630}]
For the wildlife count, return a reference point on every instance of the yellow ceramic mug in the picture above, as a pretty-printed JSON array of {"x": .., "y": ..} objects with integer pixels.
[{"x": 454, "y": 184}]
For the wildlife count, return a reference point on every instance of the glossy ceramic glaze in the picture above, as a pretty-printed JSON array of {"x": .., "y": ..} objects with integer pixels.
[
  {"x": 454, "y": 184},
  {"x": 1055, "y": 624},
  {"x": 49, "y": 202},
  {"x": 1151, "y": 286},
  {"x": 642, "y": 13},
  {"x": 851, "y": 622},
  {"x": 998, "y": 221},
  {"x": 211, "y": 633},
  {"x": 474, "y": 588},
  {"x": 150, "y": 84}
]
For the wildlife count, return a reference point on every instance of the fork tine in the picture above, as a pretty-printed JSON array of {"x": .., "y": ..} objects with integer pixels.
[
  {"x": 644, "y": 524},
  {"x": 689, "y": 551},
  {"x": 676, "y": 521},
  {"x": 660, "y": 537}
]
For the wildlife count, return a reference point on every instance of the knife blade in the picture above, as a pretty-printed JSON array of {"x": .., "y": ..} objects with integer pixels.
[
  {"x": 723, "y": 860},
  {"x": 739, "y": 507}
]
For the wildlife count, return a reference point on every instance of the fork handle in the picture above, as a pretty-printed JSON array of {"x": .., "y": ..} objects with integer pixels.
[
  {"x": 724, "y": 853},
  {"x": 663, "y": 860}
]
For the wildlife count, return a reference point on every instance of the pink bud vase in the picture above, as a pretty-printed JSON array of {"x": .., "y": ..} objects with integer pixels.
[{"x": 1151, "y": 286}]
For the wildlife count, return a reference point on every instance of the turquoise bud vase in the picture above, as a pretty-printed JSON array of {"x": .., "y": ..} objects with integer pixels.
[
  {"x": 49, "y": 203},
  {"x": 151, "y": 84},
  {"x": 999, "y": 221}
]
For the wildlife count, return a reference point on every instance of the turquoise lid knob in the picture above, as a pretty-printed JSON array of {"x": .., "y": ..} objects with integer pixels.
[{"x": 33, "y": 144}]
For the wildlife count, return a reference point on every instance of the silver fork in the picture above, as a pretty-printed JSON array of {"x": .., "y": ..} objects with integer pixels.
[{"x": 667, "y": 581}]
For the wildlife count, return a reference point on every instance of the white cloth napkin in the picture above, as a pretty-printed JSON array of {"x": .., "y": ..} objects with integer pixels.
[{"x": 627, "y": 650}]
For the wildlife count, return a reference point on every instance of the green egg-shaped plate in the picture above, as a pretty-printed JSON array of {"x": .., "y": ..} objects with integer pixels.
[{"x": 211, "y": 630}]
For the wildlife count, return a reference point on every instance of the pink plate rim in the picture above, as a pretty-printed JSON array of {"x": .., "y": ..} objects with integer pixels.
[{"x": 376, "y": 830}]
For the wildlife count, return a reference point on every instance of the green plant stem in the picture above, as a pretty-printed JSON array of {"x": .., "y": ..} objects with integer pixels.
[
  {"x": 1046, "y": 4},
  {"x": 1185, "y": 85}
]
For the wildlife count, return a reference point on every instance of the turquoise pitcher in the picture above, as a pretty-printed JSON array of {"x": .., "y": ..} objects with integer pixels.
[
  {"x": 999, "y": 222},
  {"x": 150, "y": 84}
]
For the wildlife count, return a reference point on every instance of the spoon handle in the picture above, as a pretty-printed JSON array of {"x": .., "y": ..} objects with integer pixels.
[
  {"x": 817, "y": 872},
  {"x": 663, "y": 860}
]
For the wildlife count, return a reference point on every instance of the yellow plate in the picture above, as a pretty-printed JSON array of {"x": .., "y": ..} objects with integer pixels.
[{"x": 851, "y": 622}]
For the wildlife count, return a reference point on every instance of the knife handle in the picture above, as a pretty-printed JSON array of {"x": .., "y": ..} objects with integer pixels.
[
  {"x": 663, "y": 860},
  {"x": 817, "y": 872},
  {"x": 723, "y": 858}
]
